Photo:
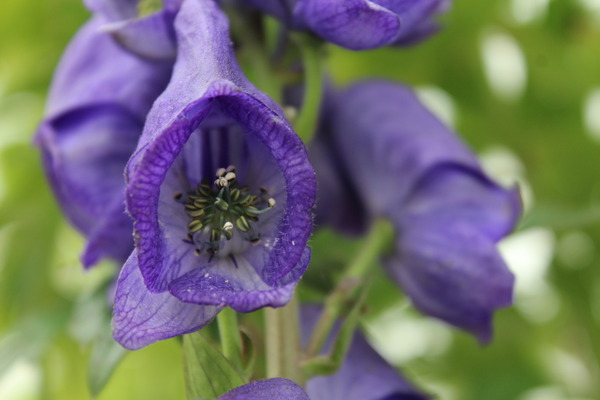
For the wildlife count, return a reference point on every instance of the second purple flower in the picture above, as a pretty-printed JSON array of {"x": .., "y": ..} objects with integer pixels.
[{"x": 383, "y": 155}]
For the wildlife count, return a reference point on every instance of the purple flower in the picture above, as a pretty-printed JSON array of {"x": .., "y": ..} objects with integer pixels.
[
  {"x": 95, "y": 113},
  {"x": 220, "y": 190},
  {"x": 359, "y": 24},
  {"x": 393, "y": 159}
]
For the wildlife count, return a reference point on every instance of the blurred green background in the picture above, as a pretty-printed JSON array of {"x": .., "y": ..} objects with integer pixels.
[{"x": 519, "y": 79}]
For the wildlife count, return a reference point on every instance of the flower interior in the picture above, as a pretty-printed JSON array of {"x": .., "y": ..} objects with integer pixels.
[
  {"x": 224, "y": 197},
  {"x": 220, "y": 210}
]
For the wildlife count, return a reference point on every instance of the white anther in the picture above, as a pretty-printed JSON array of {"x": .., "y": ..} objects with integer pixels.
[
  {"x": 221, "y": 172},
  {"x": 230, "y": 176},
  {"x": 221, "y": 182},
  {"x": 271, "y": 202},
  {"x": 290, "y": 112},
  {"x": 228, "y": 226}
]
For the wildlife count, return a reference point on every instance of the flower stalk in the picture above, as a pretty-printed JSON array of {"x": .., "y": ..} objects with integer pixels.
[
  {"x": 311, "y": 51},
  {"x": 329, "y": 363},
  {"x": 282, "y": 330},
  {"x": 349, "y": 287},
  {"x": 231, "y": 341}
]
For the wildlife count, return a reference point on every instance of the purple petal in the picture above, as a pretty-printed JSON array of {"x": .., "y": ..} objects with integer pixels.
[
  {"x": 364, "y": 375},
  {"x": 84, "y": 153},
  {"x": 452, "y": 272},
  {"x": 174, "y": 5},
  {"x": 150, "y": 37},
  {"x": 208, "y": 93},
  {"x": 354, "y": 24},
  {"x": 339, "y": 205},
  {"x": 386, "y": 140},
  {"x": 415, "y": 16},
  {"x": 456, "y": 195},
  {"x": 233, "y": 282},
  {"x": 359, "y": 24},
  {"x": 141, "y": 317},
  {"x": 425, "y": 26},
  {"x": 111, "y": 237},
  {"x": 447, "y": 260},
  {"x": 94, "y": 117},
  {"x": 95, "y": 70},
  {"x": 274, "y": 388}
]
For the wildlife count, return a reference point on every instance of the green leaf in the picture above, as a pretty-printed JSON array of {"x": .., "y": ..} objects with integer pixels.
[
  {"x": 106, "y": 356},
  {"x": 92, "y": 314},
  {"x": 91, "y": 326},
  {"x": 208, "y": 374},
  {"x": 249, "y": 340}
]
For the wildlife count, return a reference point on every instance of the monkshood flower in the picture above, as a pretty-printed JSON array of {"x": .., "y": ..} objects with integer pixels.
[
  {"x": 220, "y": 190},
  {"x": 393, "y": 159},
  {"x": 364, "y": 375},
  {"x": 359, "y": 24},
  {"x": 95, "y": 113}
]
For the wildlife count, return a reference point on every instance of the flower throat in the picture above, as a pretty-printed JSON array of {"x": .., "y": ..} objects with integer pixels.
[{"x": 218, "y": 210}]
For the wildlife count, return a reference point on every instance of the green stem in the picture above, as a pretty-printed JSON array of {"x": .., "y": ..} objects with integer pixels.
[
  {"x": 377, "y": 242},
  {"x": 329, "y": 363},
  {"x": 310, "y": 48},
  {"x": 282, "y": 329},
  {"x": 231, "y": 341}
]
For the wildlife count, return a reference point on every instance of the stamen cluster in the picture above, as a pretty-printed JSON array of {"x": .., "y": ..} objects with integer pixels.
[{"x": 216, "y": 210}]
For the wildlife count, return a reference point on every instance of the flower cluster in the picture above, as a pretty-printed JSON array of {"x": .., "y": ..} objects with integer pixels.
[{"x": 152, "y": 131}]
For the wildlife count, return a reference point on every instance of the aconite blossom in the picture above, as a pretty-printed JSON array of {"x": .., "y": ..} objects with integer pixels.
[
  {"x": 359, "y": 24},
  {"x": 382, "y": 154},
  {"x": 220, "y": 190},
  {"x": 94, "y": 116}
]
